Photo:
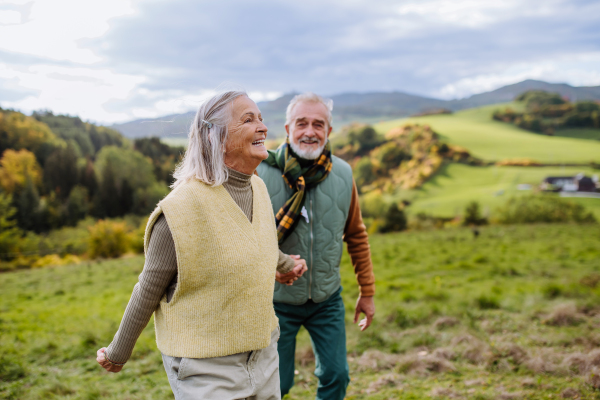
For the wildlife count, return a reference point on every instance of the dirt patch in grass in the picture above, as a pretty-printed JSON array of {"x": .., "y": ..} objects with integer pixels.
[
  {"x": 564, "y": 315},
  {"x": 570, "y": 393},
  {"x": 389, "y": 380},
  {"x": 445, "y": 322},
  {"x": 445, "y": 393}
]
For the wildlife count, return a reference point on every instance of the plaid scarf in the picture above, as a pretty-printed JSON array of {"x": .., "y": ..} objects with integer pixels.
[{"x": 298, "y": 179}]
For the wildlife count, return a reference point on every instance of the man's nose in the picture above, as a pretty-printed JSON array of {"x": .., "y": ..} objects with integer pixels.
[{"x": 310, "y": 131}]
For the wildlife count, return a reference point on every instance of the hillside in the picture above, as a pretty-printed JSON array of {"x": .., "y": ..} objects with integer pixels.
[
  {"x": 363, "y": 107},
  {"x": 491, "y": 140}
]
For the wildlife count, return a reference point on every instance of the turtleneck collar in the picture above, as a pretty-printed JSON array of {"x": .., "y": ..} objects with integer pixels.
[{"x": 238, "y": 179}]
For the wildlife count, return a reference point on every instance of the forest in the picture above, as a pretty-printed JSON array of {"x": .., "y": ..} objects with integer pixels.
[{"x": 56, "y": 170}]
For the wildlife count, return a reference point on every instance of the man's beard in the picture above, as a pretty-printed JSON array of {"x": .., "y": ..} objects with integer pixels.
[{"x": 307, "y": 155}]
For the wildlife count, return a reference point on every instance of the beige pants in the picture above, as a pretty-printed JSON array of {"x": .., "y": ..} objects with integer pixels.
[{"x": 253, "y": 375}]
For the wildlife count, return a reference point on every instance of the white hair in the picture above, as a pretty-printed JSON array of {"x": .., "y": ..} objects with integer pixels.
[
  {"x": 308, "y": 97},
  {"x": 204, "y": 158}
]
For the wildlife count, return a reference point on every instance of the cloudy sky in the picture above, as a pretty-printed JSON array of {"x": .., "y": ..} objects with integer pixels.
[{"x": 116, "y": 60}]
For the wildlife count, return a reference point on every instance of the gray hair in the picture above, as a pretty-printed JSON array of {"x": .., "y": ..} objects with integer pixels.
[
  {"x": 204, "y": 158},
  {"x": 308, "y": 97}
]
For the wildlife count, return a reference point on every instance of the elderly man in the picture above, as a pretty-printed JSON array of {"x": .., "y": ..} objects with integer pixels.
[{"x": 316, "y": 206}]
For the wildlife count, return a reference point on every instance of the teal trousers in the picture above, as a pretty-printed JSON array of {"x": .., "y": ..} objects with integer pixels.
[{"x": 325, "y": 324}]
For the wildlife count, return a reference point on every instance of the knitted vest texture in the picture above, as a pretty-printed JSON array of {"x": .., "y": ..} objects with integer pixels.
[
  {"x": 318, "y": 241},
  {"x": 226, "y": 267}
]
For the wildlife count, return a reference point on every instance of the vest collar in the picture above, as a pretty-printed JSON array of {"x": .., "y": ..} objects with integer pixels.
[{"x": 236, "y": 213}]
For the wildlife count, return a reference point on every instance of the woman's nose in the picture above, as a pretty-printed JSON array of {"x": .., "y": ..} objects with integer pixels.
[{"x": 262, "y": 127}]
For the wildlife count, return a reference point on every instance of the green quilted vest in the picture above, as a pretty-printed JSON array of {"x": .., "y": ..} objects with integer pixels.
[{"x": 318, "y": 240}]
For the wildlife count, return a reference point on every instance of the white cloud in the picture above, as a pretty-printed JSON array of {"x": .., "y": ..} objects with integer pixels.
[
  {"x": 53, "y": 28},
  {"x": 576, "y": 70},
  {"x": 471, "y": 13},
  {"x": 51, "y": 32},
  {"x": 70, "y": 90},
  {"x": 264, "y": 96},
  {"x": 9, "y": 17}
]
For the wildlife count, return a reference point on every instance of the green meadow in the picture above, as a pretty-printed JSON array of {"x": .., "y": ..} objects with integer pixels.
[
  {"x": 492, "y": 140},
  {"x": 455, "y": 185},
  {"x": 511, "y": 314}
]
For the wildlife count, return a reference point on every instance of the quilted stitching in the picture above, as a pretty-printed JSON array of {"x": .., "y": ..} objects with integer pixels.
[{"x": 331, "y": 200}]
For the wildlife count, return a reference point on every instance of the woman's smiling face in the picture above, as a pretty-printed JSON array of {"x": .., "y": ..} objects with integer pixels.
[{"x": 245, "y": 147}]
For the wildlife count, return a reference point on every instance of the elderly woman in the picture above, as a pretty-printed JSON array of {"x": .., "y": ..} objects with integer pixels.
[{"x": 211, "y": 259}]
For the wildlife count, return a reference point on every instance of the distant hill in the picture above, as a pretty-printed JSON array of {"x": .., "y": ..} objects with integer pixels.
[
  {"x": 170, "y": 125},
  {"x": 363, "y": 107},
  {"x": 509, "y": 92}
]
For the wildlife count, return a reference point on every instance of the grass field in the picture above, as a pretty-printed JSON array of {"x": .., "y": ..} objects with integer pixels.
[
  {"x": 512, "y": 314},
  {"x": 455, "y": 185},
  {"x": 491, "y": 140}
]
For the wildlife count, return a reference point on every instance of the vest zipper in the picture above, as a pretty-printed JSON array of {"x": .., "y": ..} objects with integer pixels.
[{"x": 311, "y": 252}]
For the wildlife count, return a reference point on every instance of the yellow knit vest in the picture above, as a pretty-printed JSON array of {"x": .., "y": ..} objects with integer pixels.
[{"x": 226, "y": 267}]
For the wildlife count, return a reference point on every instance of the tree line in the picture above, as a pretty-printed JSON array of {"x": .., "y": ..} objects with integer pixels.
[
  {"x": 548, "y": 112},
  {"x": 57, "y": 169}
]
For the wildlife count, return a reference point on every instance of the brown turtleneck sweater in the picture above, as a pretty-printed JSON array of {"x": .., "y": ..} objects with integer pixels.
[{"x": 159, "y": 276}]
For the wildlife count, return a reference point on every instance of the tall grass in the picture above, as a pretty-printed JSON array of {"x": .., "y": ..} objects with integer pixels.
[{"x": 512, "y": 313}]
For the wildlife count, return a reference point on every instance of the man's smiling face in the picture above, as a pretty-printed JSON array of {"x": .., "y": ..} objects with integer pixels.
[{"x": 308, "y": 129}]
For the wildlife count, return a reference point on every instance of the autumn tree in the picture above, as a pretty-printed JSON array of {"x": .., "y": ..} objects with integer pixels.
[
  {"x": 16, "y": 167},
  {"x": 18, "y": 131}
]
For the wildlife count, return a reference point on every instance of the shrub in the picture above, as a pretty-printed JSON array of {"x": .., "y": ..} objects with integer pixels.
[
  {"x": 364, "y": 173},
  {"x": 552, "y": 290},
  {"x": 473, "y": 215},
  {"x": 55, "y": 260},
  {"x": 487, "y": 302},
  {"x": 372, "y": 204},
  {"x": 108, "y": 239},
  {"x": 136, "y": 237},
  {"x": 548, "y": 209},
  {"x": 395, "y": 220}
]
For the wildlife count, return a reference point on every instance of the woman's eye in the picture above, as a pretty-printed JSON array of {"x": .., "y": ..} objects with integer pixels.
[{"x": 247, "y": 120}]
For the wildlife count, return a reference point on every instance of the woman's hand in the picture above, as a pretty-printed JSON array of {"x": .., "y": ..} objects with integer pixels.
[
  {"x": 101, "y": 358},
  {"x": 300, "y": 267},
  {"x": 292, "y": 276}
]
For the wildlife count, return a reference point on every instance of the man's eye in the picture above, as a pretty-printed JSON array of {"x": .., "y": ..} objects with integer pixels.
[{"x": 248, "y": 120}]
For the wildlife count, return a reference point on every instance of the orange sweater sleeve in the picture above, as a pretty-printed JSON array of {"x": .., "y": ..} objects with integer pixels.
[{"x": 355, "y": 236}]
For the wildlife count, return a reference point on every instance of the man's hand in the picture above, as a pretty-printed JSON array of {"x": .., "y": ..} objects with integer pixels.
[
  {"x": 365, "y": 305},
  {"x": 292, "y": 276},
  {"x": 101, "y": 358}
]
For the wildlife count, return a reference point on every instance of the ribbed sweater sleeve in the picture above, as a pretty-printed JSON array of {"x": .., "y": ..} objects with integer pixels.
[
  {"x": 285, "y": 263},
  {"x": 160, "y": 269},
  {"x": 355, "y": 236}
]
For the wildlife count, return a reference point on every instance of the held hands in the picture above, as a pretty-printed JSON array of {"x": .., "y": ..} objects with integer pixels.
[
  {"x": 292, "y": 276},
  {"x": 365, "y": 305},
  {"x": 107, "y": 365}
]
